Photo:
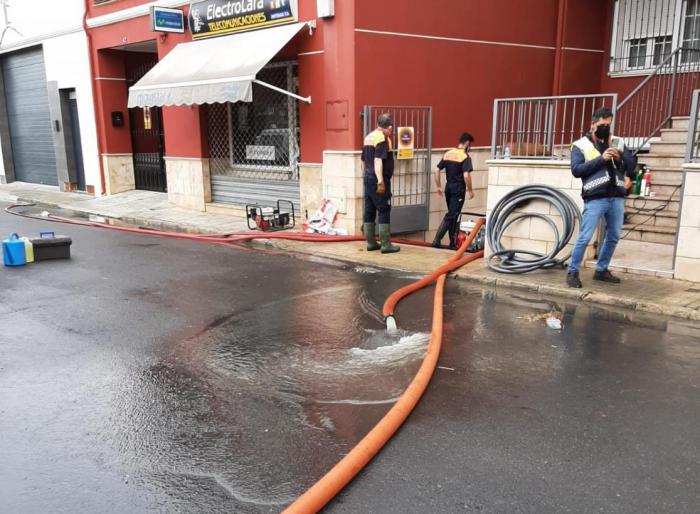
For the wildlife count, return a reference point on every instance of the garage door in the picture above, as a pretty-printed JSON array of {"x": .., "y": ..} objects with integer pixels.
[{"x": 28, "y": 116}]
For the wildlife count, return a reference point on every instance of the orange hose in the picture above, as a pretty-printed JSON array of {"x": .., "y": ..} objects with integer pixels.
[
  {"x": 456, "y": 261},
  {"x": 323, "y": 491},
  {"x": 338, "y": 477}
]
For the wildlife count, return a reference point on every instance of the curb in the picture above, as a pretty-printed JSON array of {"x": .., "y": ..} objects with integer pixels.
[{"x": 590, "y": 297}]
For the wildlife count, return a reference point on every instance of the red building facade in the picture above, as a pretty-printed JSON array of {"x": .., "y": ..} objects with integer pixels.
[{"x": 454, "y": 56}]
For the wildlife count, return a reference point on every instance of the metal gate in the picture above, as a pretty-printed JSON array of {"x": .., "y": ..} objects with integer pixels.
[
  {"x": 410, "y": 186},
  {"x": 28, "y": 117},
  {"x": 147, "y": 138},
  {"x": 254, "y": 146}
]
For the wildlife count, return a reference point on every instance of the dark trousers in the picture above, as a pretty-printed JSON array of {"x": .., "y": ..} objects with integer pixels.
[
  {"x": 376, "y": 204},
  {"x": 454, "y": 197}
]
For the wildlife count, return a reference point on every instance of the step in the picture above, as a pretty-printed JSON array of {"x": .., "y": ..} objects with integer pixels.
[
  {"x": 674, "y": 135},
  {"x": 660, "y": 219},
  {"x": 644, "y": 202},
  {"x": 658, "y": 160},
  {"x": 668, "y": 148},
  {"x": 642, "y": 258},
  {"x": 680, "y": 122},
  {"x": 666, "y": 176},
  {"x": 666, "y": 190},
  {"x": 649, "y": 234}
]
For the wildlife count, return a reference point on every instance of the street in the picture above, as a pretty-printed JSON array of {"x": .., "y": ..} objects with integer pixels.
[{"x": 157, "y": 375}]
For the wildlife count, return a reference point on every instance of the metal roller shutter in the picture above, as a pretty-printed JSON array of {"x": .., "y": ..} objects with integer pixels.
[{"x": 29, "y": 118}]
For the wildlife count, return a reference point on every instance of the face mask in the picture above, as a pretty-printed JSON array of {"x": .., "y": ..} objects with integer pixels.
[{"x": 602, "y": 132}]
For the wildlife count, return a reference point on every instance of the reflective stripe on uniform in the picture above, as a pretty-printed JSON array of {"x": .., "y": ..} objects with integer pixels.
[
  {"x": 374, "y": 138},
  {"x": 455, "y": 155}
]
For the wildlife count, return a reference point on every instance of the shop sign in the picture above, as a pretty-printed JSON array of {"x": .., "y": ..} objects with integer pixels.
[
  {"x": 217, "y": 17},
  {"x": 406, "y": 138},
  {"x": 259, "y": 153},
  {"x": 164, "y": 19}
]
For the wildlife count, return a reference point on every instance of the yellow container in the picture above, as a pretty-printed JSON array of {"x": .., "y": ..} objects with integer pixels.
[{"x": 28, "y": 249}]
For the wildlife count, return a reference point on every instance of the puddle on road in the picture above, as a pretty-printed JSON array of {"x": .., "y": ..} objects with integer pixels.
[{"x": 262, "y": 403}]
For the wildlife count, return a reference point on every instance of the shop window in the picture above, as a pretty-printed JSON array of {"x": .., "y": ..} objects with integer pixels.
[{"x": 258, "y": 139}]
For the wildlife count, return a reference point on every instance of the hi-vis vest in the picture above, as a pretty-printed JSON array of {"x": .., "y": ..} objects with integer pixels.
[
  {"x": 456, "y": 156},
  {"x": 600, "y": 179},
  {"x": 373, "y": 139},
  {"x": 589, "y": 150},
  {"x": 376, "y": 137}
]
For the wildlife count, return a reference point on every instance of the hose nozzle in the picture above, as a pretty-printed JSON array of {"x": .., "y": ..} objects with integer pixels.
[{"x": 391, "y": 324}]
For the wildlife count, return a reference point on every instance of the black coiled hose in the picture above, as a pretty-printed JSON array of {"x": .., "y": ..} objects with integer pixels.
[{"x": 521, "y": 261}]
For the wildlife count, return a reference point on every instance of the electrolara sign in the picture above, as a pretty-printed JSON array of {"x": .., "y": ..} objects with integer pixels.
[{"x": 216, "y": 17}]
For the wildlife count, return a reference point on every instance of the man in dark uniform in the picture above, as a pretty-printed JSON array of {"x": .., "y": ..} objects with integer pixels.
[
  {"x": 378, "y": 166},
  {"x": 458, "y": 167}
]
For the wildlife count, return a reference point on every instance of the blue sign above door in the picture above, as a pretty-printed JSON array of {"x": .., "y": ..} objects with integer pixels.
[{"x": 164, "y": 19}]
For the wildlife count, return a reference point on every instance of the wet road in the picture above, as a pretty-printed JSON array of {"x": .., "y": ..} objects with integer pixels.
[{"x": 153, "y": 375}]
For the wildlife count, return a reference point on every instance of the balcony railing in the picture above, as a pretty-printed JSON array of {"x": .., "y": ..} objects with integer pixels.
[{"x": 543, "y": 127}]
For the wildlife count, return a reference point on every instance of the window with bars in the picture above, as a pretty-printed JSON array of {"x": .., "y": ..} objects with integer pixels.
[
  {"x": 646, "y": 32},
  {"x": 691, "y": 30},
  {"x": 637, "y": 53}
]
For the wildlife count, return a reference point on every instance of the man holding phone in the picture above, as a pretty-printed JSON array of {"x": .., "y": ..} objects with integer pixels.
[{"x": 604, "y": 165}]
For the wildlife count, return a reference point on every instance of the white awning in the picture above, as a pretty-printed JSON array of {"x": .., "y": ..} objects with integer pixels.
[{"x": 216, "y": 70}]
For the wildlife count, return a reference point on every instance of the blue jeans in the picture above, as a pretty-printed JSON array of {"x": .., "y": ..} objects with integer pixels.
[{"x": 613, "y": 210}]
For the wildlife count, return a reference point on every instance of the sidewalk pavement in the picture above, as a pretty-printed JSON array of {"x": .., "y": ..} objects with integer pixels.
[{"x": 144, "y": 208}]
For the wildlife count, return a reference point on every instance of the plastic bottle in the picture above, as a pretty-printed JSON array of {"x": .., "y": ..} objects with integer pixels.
[
  {"x": 28, "y": 249},
  {"x": 646, "y": 183},
  {"x": 638, "y": 181},
  {"x": 506, "y": 153}
]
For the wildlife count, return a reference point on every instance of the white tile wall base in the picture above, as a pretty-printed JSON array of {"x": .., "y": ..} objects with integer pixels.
[
  {"x": 533, "y": 234},
  {"x": 189, "y": 182},
  {"x": 341, "y": 182},
  {"x": 310, "y": 188},
  {"x": 119, "y": 173},
  {"x": 687, "y": 265}
]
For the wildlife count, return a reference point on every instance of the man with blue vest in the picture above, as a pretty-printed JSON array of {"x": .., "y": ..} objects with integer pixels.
[
  {"x": 378, "y": 166},
  {"x": 602, "y": 162}
]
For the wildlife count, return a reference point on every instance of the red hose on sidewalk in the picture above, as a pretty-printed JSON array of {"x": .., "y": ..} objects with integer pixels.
[{"x": 232, "y": 237}]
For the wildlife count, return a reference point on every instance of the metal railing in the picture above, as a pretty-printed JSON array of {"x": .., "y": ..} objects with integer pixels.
[
  {"x": 543, "y": 127},
  {"x": 665, "y": 93},
  {"x": 692, "y": 148}
]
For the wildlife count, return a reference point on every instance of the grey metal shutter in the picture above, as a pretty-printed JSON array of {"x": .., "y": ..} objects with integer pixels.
[{"x": 29, "y": 118}]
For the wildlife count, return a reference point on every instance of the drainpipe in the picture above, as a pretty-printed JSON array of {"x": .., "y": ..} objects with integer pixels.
[
  {"x": 558, "y": 52},
  {"x": 93, "y": 86}
]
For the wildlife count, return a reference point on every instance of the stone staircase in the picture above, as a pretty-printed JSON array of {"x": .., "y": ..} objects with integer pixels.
[{"x": 649, "y": 238}]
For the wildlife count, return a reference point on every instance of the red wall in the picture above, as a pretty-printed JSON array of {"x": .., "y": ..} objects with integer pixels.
[{"x": 459, "y": 79}]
